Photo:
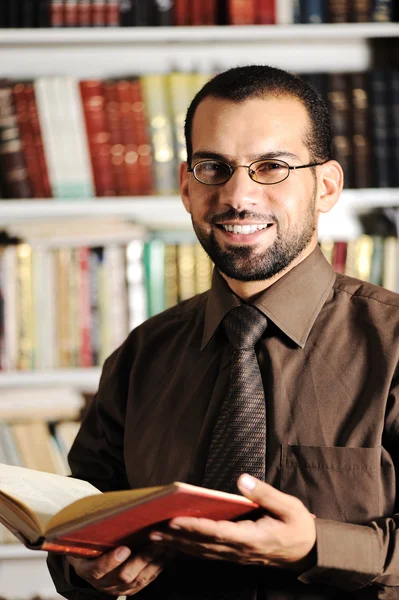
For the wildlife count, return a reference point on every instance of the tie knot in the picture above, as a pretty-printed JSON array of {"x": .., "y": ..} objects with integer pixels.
[{"x": 244, "y": 326}]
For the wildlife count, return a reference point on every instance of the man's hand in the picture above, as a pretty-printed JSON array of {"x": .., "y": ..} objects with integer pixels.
[
  {"x": 119, "y": 574},
  {"x": 284, "y": 537}
]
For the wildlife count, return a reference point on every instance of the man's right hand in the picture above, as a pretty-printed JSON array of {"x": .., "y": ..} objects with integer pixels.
[{"x": 118, "y": 573}]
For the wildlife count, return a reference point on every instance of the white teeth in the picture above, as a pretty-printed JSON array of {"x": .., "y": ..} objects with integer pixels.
[{"x": 245, "y": 229}]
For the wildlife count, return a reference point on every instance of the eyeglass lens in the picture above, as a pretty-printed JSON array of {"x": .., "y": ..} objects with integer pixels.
[{"x": 214, "y": 172}]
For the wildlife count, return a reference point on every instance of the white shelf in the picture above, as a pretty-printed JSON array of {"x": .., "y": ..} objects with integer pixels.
[
  {"x": 168, "y": 212},
  {"x": 85, "y": 380},
  {"x": 150, "y": 210},
  {"x": 119, "y": 51},
  {"x": 162, "y": 35}
]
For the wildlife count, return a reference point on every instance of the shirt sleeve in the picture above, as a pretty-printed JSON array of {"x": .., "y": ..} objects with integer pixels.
[
  {"x": 97, "y": 456},
  {"x": 363, "y": 559}
]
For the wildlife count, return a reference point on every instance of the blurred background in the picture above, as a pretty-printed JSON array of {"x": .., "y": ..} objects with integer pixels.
[{"x": 93, "y": 235}]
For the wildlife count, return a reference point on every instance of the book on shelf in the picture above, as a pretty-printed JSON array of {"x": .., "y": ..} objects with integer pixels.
[{"x": 70, "y": 516}]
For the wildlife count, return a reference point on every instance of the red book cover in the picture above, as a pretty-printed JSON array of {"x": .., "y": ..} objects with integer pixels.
[
  {"x": 265, "y": 12},
  {"x": 112, "y": 14},
  {"x": 98, "y": 11},
  {"x": 85, "y": 349},
  {"x": 98, "y": 136},
  {"x": 339, "y": 256},
  {"x": 144, "y": 148},
  {"x": 56, "y": 13},
  {"x": 37, "y": 138},
  {"x": 182, "y": 13},
  {"x": 84, "y": 13},
  {"x": 209, "y": 12},
  {"x": 97, "y": 523},
  {"x": 28, "y": 141},
  {"x": 114, "y": 125},
  {"x": 241, "y": 12},
  {"x": 71, "y": 13},
  {"x": 15, "y": 177},
  {"x": 129, "y": 137}
]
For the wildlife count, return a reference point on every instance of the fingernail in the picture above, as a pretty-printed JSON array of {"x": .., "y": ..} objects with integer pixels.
[
  {"x": 122, "y": 553},
  {"x": 155, "y": 536},
  {"x": 247, "y": 482}
]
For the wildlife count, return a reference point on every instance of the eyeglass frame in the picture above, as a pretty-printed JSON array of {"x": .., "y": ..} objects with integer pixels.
[{"x": 248, "y": 167}]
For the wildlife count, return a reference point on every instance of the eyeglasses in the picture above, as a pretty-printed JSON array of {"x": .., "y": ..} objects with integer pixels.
[{"x": 265, "y": 172}]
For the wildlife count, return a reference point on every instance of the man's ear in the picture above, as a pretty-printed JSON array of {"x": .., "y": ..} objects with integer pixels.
[
  {"x": 184, "y": 186},
  {"x": 331, "y": 181}
]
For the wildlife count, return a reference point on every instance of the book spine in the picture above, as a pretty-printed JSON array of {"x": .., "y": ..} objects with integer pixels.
[
  {"x": 313, "y": 11},
  {"x": 203, "y": 269},
  {"x": 43, "y": 13},
  {"x": 390, "y": 279},
  {"x": 163, "y": 13},
  {"x": 128, "y": 137},
  {"x": 181, "y": 16},
  {"x": 339, "y": 257},
  {"x": 186, "y": 270},
  {"x": 98, "y": 137},
  {"x": 154, "y": 264},
  {"x": 265, "y": 11},
  {"x": 241, "y": 12},
  {"x": 209, "y": 12},
  {"x": 143, "y": 11},
  {"x": 117, "y": 313},
  {"x": 26, "y": 13},
  {"x": 37, "y": 139},
  {"x": 14, "y": 167},
  {"x": 10, "y": 303},
  {"x": 126, "y": 10},
  {"x": 361, "y": 133},
  {"x": 165, "y": 168},
  {"x": 114, "y": 126},
  {"x": 171, "y": 276},
  {"x": 112, "y": 14},
  {"x": 338, "y": 11},
  {"x": 136, "y": 285},
  {"x": 393, "y": 124},
  {"x": 71, "y": 13},
  {"x": 379, "y": 128},
  {"x": 98, "y": 12},
  {"x": 197, "y": 10},
  {"x": 32, "y": 157},
  {"x": 381, "y": 11},
  {"x": 63, "y": 267},
  {"x": 284, "y": 12},
  {"x": 95, "y": 259},
  {"x": 84, "y": 13},
  {"x": 340, "y": 102},
  {"x": 25, "y": 317},
  {"x": 142, "y": 132},
  {"x": 56, "y": 13},
  {"x": 361, "y": 11},
  {"x": 85, "y": 348}
]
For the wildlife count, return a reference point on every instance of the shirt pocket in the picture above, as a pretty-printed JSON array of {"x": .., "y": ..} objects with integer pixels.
[{"x": 333, "y": 482}]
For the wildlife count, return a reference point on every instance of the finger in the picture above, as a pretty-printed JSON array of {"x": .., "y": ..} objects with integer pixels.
[
  {"x": 96, "y": 568},
  {"x": 284, "y": 506}
]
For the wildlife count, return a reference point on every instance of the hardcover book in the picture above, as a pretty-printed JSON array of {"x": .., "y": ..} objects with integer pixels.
[{"x": 69, "y": 516}]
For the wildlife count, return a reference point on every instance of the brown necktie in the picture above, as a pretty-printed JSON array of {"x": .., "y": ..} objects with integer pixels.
[{"x": 238, "y": 444}]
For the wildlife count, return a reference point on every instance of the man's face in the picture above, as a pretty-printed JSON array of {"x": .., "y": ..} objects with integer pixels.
[{"x": 285, "y": 213}]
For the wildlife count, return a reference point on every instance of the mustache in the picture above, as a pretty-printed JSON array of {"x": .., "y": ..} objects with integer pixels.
[{"x": 233, "y": 214}]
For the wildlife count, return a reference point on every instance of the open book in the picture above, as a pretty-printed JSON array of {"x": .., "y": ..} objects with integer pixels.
[{"x": 69, "y": 516}]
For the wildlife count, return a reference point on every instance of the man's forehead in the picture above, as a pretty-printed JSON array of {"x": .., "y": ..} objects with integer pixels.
[{"x": 254, "y": 122}]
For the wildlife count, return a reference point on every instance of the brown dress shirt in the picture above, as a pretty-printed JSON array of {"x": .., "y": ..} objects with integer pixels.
[{"x": 329, "y": 363}]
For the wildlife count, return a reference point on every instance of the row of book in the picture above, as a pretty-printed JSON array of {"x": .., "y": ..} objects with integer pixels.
[
  {"x": 64, "y": 138},
  {"x": 149, "y": 13},
  {"x": 71, "y": 307},
  {"x": 37, "y": 428}
]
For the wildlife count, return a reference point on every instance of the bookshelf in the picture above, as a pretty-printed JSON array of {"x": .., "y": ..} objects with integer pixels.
[{"x": 115, "y": 52}]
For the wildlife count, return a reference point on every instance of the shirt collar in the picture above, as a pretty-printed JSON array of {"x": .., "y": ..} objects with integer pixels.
[{"x": 292, "y": 303}]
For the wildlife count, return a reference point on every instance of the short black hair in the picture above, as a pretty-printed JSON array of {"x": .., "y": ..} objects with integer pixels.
[{"x": 259, "y": 81}]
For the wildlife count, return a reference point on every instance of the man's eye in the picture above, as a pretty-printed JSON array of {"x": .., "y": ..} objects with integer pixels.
[
  {"x": 267, "y": 167},
  {"x": 211, "y": 166}
]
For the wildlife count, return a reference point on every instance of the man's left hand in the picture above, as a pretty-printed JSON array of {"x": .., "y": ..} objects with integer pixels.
[{"x": 284, "y": 537}]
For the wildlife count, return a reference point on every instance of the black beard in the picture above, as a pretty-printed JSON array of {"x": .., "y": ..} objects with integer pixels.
[{"x": 243, "y": 264}]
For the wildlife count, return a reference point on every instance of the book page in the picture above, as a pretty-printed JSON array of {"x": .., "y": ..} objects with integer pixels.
[{"x": 42, "y": 493}]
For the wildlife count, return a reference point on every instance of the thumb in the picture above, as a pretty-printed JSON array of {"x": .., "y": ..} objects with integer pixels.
[{"x": 284, "y": 506}]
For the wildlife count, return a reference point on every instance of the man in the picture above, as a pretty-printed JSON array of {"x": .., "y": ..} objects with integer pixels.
[{"x": 258, "y": 175}]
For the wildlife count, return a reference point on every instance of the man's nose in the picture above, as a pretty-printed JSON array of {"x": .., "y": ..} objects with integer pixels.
[{"x": 240, "y": 191}]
